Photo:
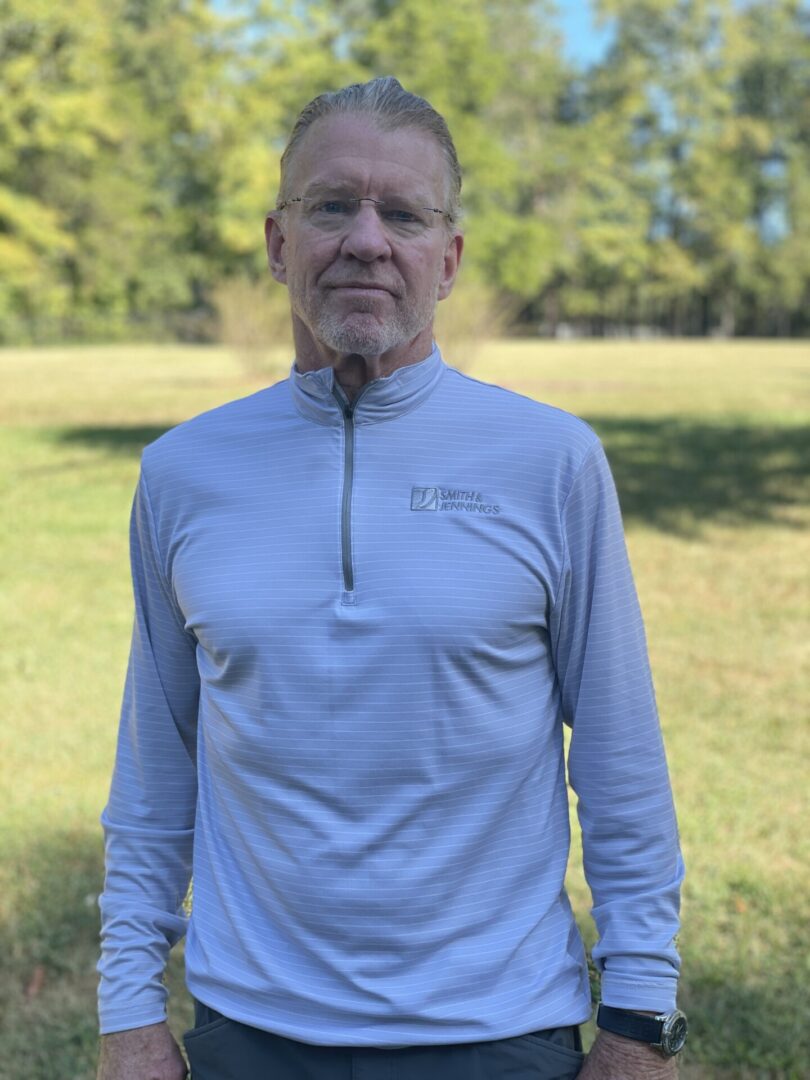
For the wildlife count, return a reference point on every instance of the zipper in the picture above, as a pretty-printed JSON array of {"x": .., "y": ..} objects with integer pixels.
[{"x": 347, "y": 408}]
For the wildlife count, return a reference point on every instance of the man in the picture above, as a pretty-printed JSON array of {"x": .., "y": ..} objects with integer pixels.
[{"x": 366, "y": 598}]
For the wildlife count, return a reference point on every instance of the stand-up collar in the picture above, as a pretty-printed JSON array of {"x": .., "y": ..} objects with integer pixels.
[{"x": 314, "y": 392}]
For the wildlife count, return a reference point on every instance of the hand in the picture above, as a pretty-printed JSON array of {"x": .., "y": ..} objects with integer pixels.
[
  {"x": 145, "y": 1053},
  {"x": 613, "y": 1057}
]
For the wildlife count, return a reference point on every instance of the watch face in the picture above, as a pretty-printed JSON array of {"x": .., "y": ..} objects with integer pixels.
[{"x": 673, "y": 1036}]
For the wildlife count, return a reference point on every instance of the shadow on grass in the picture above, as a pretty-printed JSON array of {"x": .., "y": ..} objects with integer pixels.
[
  {"x": 677, "y": 475},
  {"x": 673, "y": 474},
  {"x": 742, "y": 1008},
  {"x": 50, "y": 946},
  {"x": 734, "y": 989},
  {"x": 119, "y": 441},
  {"x": 741, "y": 1022}
]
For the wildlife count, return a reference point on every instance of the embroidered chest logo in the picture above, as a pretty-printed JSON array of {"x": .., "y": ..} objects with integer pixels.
[{"x": 439, "y": 498}]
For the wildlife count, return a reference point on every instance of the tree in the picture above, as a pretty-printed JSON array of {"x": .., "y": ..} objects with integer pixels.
[
  {"x": 54, "y": 121},
  {"x": 774, "y": 88},
  {"x": 107, "y": 162},
  {"x": 675, "y": 84}
]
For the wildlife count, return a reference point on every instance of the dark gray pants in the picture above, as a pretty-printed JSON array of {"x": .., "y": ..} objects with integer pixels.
[{"x": 221, "y": 1049}]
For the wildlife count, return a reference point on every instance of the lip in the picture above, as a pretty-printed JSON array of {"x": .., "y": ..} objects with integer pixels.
[{"x": 356, "y": 286}]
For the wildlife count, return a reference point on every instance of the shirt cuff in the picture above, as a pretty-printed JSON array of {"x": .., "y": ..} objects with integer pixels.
[
  {"x": 642, "y": 994},
  {"x": 127, "y": 1018}
]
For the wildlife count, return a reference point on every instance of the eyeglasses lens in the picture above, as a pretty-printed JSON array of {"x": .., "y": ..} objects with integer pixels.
[{"x": 399, "y": 217}]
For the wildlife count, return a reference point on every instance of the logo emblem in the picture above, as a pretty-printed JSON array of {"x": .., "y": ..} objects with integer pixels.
[
  {"x": 424, "y": 498},
  {"x": 454, "y": 499}
]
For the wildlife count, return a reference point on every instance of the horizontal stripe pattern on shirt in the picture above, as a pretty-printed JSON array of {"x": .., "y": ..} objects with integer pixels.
[{"x": 368, "y": 782}]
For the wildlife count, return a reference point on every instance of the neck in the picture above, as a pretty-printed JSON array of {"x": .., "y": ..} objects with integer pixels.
[{"x": 354, "y": 370}]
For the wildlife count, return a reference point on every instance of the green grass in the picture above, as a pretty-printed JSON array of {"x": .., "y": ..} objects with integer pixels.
[{"x": 710, "y": 454}]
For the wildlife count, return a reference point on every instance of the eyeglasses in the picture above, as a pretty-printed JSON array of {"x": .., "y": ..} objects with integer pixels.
[{"x": 336, "y": 213}]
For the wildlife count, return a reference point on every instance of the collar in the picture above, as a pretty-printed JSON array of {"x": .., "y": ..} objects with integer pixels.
[{"x": 394, "y": 395}]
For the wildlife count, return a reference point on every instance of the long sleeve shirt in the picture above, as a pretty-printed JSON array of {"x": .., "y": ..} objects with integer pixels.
[{"x": 359, "y": 628}]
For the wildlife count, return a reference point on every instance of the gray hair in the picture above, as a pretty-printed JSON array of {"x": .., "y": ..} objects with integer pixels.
[{"x": 392, "y": 107}]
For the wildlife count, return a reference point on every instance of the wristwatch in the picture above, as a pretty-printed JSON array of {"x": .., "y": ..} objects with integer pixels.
[{"x": 665, "y": 1033}]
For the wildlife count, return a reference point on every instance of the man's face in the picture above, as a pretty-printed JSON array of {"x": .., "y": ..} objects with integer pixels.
[{"x": 359, "y": 287}]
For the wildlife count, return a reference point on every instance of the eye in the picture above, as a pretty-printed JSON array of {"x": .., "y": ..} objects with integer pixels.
[
  {"x": 400, "y": 215},
  {"x": 405, "y": 218},
  {"x": 332, "y": 207}
]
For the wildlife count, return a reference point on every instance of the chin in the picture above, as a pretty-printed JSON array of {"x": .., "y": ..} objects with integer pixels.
[
  {"x": 362, "y": 344},
  {"x": 359, "y": 335}
]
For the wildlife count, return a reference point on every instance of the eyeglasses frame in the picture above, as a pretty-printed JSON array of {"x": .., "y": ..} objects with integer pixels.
[{"x": 282, "y": 205}]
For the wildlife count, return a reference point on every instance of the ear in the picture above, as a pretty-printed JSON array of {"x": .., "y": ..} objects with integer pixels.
[
  {"x": 274, "y": 239},
  {"x": 452, "y": 261}
]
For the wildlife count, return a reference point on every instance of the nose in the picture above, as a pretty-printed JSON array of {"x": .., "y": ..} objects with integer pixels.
[{"x": 366, "y": 238}]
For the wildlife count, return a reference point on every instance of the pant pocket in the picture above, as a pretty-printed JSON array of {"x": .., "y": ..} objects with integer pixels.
[
  {"x": 211, "y": 1051},
  {"x": 531, "y": 1057}
]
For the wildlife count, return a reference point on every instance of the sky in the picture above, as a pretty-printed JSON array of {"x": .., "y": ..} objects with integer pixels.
[{"x": 584, "y": 43}]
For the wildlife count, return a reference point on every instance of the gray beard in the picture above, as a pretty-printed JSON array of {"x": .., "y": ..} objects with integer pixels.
[{"x": 362, "y": 334}]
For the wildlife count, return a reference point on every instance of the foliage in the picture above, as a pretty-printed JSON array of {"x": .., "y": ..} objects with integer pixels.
[
  {"x": 473, "y": 315},
  {"x": 667, "y": 186},
  {"x": 692, "y": 90},
  {"x": 254, "y": 322}
]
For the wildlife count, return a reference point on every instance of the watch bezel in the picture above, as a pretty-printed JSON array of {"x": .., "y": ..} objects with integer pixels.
[{"x": 673, "y": 1032}]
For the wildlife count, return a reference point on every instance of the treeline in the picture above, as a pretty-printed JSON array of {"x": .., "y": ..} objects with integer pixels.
[{"x": 666, "y": 189}]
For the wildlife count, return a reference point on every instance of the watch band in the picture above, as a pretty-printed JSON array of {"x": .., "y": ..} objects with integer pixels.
[
  {"x": 665, "y": 1033},
  {"x": 632, "y": 1025}
]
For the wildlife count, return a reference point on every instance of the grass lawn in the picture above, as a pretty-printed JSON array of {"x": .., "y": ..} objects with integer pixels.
[{"x": 711, "y": 458}]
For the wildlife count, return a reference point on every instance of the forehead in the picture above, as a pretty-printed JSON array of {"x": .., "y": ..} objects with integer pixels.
[{"x": 350, "y": 149}]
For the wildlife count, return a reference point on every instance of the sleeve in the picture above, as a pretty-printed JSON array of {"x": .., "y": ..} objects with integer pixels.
[
  {"x": 616, "y": 761},
  {"x": 149, "y": 819}
]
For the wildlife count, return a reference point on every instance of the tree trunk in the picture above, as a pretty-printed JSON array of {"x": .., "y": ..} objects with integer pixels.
[
  {"x": 728, "y": 314},
  {"x": 552, "y": 312}
]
